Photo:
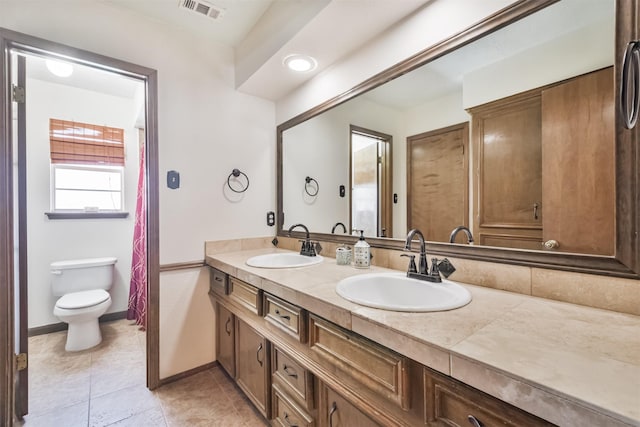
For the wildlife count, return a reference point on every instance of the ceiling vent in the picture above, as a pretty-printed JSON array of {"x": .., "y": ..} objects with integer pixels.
[{"x": 202, "y": 8}]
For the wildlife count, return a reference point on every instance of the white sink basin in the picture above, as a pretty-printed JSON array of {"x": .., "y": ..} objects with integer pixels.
[
  {"x": 397, "y": 292},
  {"x": 283, "y": 260}
]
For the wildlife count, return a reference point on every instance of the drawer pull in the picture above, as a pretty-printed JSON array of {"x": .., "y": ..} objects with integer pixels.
[
  {"x": 226, "y": 326},
  {"x": 474, "y": 421},
  {"x": 286, "y": 418},
  {"x": 283, "y": 316},
  {"x": 218, "y": 279},
  {"x": 334, "y": 408},
  {"x": 289, "y": 371},
  {"x": 258, "y": 354}
]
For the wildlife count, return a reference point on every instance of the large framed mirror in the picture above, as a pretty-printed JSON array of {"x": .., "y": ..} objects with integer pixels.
[{"x": 511, "y": 128}]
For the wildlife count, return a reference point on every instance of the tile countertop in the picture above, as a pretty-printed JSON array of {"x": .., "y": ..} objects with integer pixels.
[{"x": 568, "y": 364}]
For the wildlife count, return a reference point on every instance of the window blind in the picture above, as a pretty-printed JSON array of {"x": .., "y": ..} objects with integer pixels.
[{"x": 87, "y": 144}]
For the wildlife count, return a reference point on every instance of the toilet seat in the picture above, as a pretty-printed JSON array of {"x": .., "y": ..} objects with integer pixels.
[{"x": 84, "y": 299}]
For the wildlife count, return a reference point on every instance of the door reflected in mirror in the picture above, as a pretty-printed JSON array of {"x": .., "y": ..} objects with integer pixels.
[{"x": 370, "y": 179}]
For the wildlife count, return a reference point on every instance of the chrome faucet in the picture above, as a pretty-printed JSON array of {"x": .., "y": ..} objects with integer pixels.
[
  {"x": 333, "y": 230},
  {"x": 458, "y": 229},
  {"x": 308, "y": 248},
  {"x": 423, "y": 273}
]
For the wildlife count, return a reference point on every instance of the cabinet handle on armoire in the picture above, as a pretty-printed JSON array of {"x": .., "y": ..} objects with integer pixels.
[{"x": 630, "y": 76}]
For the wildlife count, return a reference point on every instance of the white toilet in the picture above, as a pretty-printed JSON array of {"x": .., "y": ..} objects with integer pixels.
[{"x": 82, "y": 285}]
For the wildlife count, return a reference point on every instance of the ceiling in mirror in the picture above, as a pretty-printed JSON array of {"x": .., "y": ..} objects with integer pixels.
[{"x": 499, "y": 85}]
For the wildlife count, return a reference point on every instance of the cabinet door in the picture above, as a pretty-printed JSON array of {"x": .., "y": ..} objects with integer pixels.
[
  {"x": 578, "y": 158},
  {"x": 253, "y": 366},
  {"x": 507, "y": 141},
  {"x": 335, "y": 411},
  {"x": 225, "y": 339}
]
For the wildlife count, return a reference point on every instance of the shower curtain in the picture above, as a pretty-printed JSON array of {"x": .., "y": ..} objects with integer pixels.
[{"x": 138, "y": 286}]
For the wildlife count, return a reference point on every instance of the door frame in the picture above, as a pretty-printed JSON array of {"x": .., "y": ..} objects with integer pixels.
[
  {"x": 14, "y": 40},
  {"x": 385, "y": 179}
]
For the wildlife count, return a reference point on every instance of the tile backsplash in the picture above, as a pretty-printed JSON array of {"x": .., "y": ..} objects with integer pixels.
[{"x": 609, "y": 293}]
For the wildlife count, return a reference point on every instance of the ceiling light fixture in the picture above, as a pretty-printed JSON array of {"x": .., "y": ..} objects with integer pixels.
[
  {"x": 300, "y": 63},
  {"x": 59, "y": 68}
]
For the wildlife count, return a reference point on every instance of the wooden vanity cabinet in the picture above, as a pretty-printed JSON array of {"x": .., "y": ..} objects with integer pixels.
[
  {"x": 452, "y": 403},
  {"x": 336, "y": 377},
  {"x": 253, "y": 361},
  {"x": 225, "y": 339}
]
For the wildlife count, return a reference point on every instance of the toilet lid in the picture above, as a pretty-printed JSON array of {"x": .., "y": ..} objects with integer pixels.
[{"x": 83, "y": 299}]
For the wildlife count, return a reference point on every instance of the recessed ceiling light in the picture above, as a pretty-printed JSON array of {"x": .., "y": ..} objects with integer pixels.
[
  {"x": 59, "y": 68},
  {"x": 300, "y": 63}
]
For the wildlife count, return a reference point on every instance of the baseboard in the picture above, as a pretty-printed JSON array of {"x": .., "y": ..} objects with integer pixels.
[
  {"x": 110, "y": 317},
  {"x": 188, "y": 373},
  {"x": 57, "y": 327}
]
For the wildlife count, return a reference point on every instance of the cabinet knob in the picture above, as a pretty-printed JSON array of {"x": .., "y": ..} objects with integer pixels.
[
  {"x": 334, "y": 408},
  {"x": 289, "y": 423},
  {"x": 551, "y": 244},
  {"x": 226, "y": 326},
  {"x": 258, "y": 354},
  {"x": 289, "y": 371}
]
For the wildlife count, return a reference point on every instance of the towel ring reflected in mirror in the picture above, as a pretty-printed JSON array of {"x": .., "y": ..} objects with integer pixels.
[
  {"x": 236, "y": 173},
  {"x": 310, "y": 185}
]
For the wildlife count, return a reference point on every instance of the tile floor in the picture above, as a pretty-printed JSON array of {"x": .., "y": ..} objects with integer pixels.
[{"x": 105, "y": 386}]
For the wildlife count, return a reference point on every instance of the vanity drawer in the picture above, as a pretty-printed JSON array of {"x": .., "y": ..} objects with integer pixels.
[
  {"x": 288, "y": 317},
  {"x": 246, "y": 295},
  {"x": 291, "y": 374},
  {"x": 379, "y": 369},
  {"x": 218, "y": 282},
  {"x": 450, "y": 402},
  {"x": 287, "y": 413}
]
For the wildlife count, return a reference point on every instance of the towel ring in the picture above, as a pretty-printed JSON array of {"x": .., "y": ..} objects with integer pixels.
[
  {"x": 307, "y": 181},
  {"x": 236, "y": 173}
]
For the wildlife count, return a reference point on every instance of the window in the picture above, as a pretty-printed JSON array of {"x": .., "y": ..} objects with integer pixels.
[
  {"x": 86, "y": 188},
  {"x": 87, "y": 167}
]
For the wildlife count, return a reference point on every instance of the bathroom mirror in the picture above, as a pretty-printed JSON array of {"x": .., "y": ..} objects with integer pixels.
[{"x": 493, "y": 79}]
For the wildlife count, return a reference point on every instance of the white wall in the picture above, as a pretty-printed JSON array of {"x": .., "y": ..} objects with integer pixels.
[
  {"x": 578, "y": 52},
  {"x": 319, "y": 148},
  {"x": 187, "y": 321},
  {"x": 206, "y": 128},
  {"x": 55, "y": 240}
]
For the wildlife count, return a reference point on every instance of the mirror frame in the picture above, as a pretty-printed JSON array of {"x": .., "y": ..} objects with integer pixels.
[{"x": 625, "y": 262}]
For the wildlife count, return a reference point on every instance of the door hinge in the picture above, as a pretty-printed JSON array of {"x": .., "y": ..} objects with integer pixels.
[
  {"x": 21, "y": 361},
  {"x": 18, "y": 94}
]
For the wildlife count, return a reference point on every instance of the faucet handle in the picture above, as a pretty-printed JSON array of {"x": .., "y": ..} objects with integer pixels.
[
  {"x": 412, "y": 263},
  {"x": 446, "y": 268},
  {"x": 433, "y": 271}
]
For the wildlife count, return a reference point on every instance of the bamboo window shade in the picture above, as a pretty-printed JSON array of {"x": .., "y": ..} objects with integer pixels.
[{"x": 86, "y": 144}]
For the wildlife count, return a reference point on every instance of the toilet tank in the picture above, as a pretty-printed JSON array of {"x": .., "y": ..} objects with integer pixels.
[{"x": 82, "y": 275}]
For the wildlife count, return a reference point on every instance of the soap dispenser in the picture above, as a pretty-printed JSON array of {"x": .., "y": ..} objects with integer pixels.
[{"x": 362, "y": 253}]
